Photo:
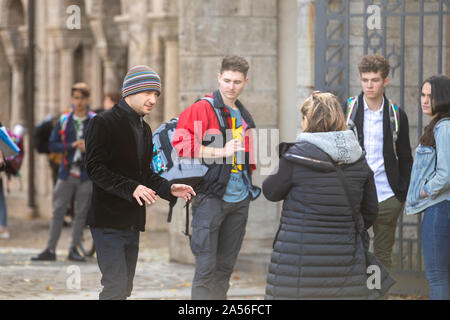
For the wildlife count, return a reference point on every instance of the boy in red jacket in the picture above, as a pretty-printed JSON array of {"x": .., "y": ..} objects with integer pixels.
[{"x": 220, "y": 210}]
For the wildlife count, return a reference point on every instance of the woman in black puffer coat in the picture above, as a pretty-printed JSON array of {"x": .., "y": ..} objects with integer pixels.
[{"x": 317, "y": 252}]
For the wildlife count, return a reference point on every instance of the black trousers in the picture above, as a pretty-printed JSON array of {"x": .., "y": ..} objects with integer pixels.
[
  {"x": 117, "y": 254},
  {"x": 218, "y": 229}
]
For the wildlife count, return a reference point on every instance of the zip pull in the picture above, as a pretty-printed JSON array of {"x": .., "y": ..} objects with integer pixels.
[{"x": 142, "y": 122}]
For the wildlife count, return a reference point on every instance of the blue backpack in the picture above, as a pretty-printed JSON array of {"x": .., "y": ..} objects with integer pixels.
[{"x": 168, "y": 164}]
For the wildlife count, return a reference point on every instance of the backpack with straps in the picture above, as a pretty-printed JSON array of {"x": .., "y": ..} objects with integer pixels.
[
  {"x": 169, "y": 165},
  {"x": 64, "y": 121},
  {"x": 394, "y": 119}
]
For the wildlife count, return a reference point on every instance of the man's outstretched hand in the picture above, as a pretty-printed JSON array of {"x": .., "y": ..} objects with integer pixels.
[
  {"x": 182, "y": 191},
  {"x": 143, "y": 195}
]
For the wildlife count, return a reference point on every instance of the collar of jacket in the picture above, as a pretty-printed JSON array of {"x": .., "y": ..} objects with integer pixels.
[
  {"x": 132, "y": 115},
  {"x": 218, "y": 103},
  {"x": 359, "y": 120},
  {"x": 385, "y": 102}
]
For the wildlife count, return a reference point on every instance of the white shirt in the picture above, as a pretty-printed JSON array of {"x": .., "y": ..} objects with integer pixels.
[{"x": 373, "y": 144}]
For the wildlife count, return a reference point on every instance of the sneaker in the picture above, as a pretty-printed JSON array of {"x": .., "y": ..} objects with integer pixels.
[
  {"x": 74, "y": 255},
  {"x": 46, "y": 255},
  {"x": 4, "y": 235}
]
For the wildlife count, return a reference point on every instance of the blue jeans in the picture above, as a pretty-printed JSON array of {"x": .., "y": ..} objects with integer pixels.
[
  {"x": 435, "y": 246},
  {"x": 3, "y": 212},
  {"x": 117, "y": 255}
]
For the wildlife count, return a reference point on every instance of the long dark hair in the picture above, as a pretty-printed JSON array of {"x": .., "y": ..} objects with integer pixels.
[{"x": 440, "y": 106}]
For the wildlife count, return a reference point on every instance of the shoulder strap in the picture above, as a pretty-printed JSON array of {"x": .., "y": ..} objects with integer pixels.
[
  {"x": 394, "y": 123},
  {"x": 216, "y": 111},
  {"x": 352, "y": 108},
  {"x": 63, "y": 120},
  {"x": 356, "y": 216}
]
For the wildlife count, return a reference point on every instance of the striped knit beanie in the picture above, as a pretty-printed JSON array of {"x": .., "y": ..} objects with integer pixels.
[{"x": 139, "y": 79}]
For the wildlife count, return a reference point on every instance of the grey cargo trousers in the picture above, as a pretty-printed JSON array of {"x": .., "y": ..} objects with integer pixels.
[
  {"x": 62, "y": 195},
  {"x": 218, "y": 229}
]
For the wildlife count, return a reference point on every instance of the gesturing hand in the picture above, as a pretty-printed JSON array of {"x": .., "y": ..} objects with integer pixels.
[
  {"x": 233, "y": 146},
  {"x": 182, "y": 191},
  {"x": 144, "y": 193}
]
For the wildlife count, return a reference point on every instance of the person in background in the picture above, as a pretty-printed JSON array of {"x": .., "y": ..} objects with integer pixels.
[
  {"x": 429, "y": 189},
  {"x": 110, "y": 100},
  {"x": 4, "y": 234},
  {"x": 68, "y": 138}
]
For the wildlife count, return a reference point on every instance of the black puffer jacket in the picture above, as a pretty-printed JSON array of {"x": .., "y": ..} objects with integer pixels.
[{"x": 317, "y": 252}]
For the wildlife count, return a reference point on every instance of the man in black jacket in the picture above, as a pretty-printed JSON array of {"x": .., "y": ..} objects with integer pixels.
[
  {"x": 383, "y": 132},
  {"x": 119, "y": 151}
]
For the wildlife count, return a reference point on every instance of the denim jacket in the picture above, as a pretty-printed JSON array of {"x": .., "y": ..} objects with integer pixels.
[{"x": 431, "y": 172}]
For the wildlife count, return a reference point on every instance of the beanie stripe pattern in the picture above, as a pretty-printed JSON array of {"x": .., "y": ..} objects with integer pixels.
[{"x": 140, "y": 79}]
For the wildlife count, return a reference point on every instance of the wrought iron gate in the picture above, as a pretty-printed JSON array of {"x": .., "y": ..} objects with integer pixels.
[{"x": 346, "y": 30}]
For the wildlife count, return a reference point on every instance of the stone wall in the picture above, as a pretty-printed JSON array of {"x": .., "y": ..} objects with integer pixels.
[{"x": 5, "y": 78}]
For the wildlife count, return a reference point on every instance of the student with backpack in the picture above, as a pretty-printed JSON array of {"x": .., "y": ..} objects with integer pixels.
[
  {"x": 383, "y": 132},
  {"x": 218, "y": 134},
  {"x": 68, "y": 138}
]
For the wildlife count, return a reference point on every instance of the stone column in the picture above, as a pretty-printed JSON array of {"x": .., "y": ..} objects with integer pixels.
[
  {"x": 5, "y": 76},
  {"x": 66, "y": 79},
  {"x": 96, "y": 80},
  {"x": 138, "y": 34},
  {"x": 305, "y": 51},
  {"x": 172, "y": 80},
  {"x": 110, "y": 78},
  {"x": 17, "y": 99},
  {"x": 287, "y": 69},
  {"x": 14, "y": 45},
  {"x": 53, "y": 80}
]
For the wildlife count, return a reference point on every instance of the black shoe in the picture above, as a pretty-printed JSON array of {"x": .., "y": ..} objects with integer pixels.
[
  {"x": 44, "y": 256},
  {"x": 75, "y": 256}
]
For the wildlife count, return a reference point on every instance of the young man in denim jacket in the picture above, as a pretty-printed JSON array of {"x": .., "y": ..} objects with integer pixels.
[{"x": 68, "y": 138}]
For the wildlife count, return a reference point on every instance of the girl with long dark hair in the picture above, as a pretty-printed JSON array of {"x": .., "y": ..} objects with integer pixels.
[{"x": 429, "y": 189}]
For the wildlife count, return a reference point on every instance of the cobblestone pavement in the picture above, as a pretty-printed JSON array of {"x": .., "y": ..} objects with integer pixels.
[{"x": 156, "y": 277}]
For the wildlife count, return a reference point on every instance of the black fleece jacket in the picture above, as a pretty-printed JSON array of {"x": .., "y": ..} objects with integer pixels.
[{"x": 116, "y": 170}]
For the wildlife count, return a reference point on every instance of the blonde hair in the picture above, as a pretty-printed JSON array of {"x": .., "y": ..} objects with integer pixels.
[{"x": 323, "y": 112}]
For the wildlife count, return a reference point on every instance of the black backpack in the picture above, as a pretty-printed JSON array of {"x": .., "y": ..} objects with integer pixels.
[{"x": 42, "y": 134}]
